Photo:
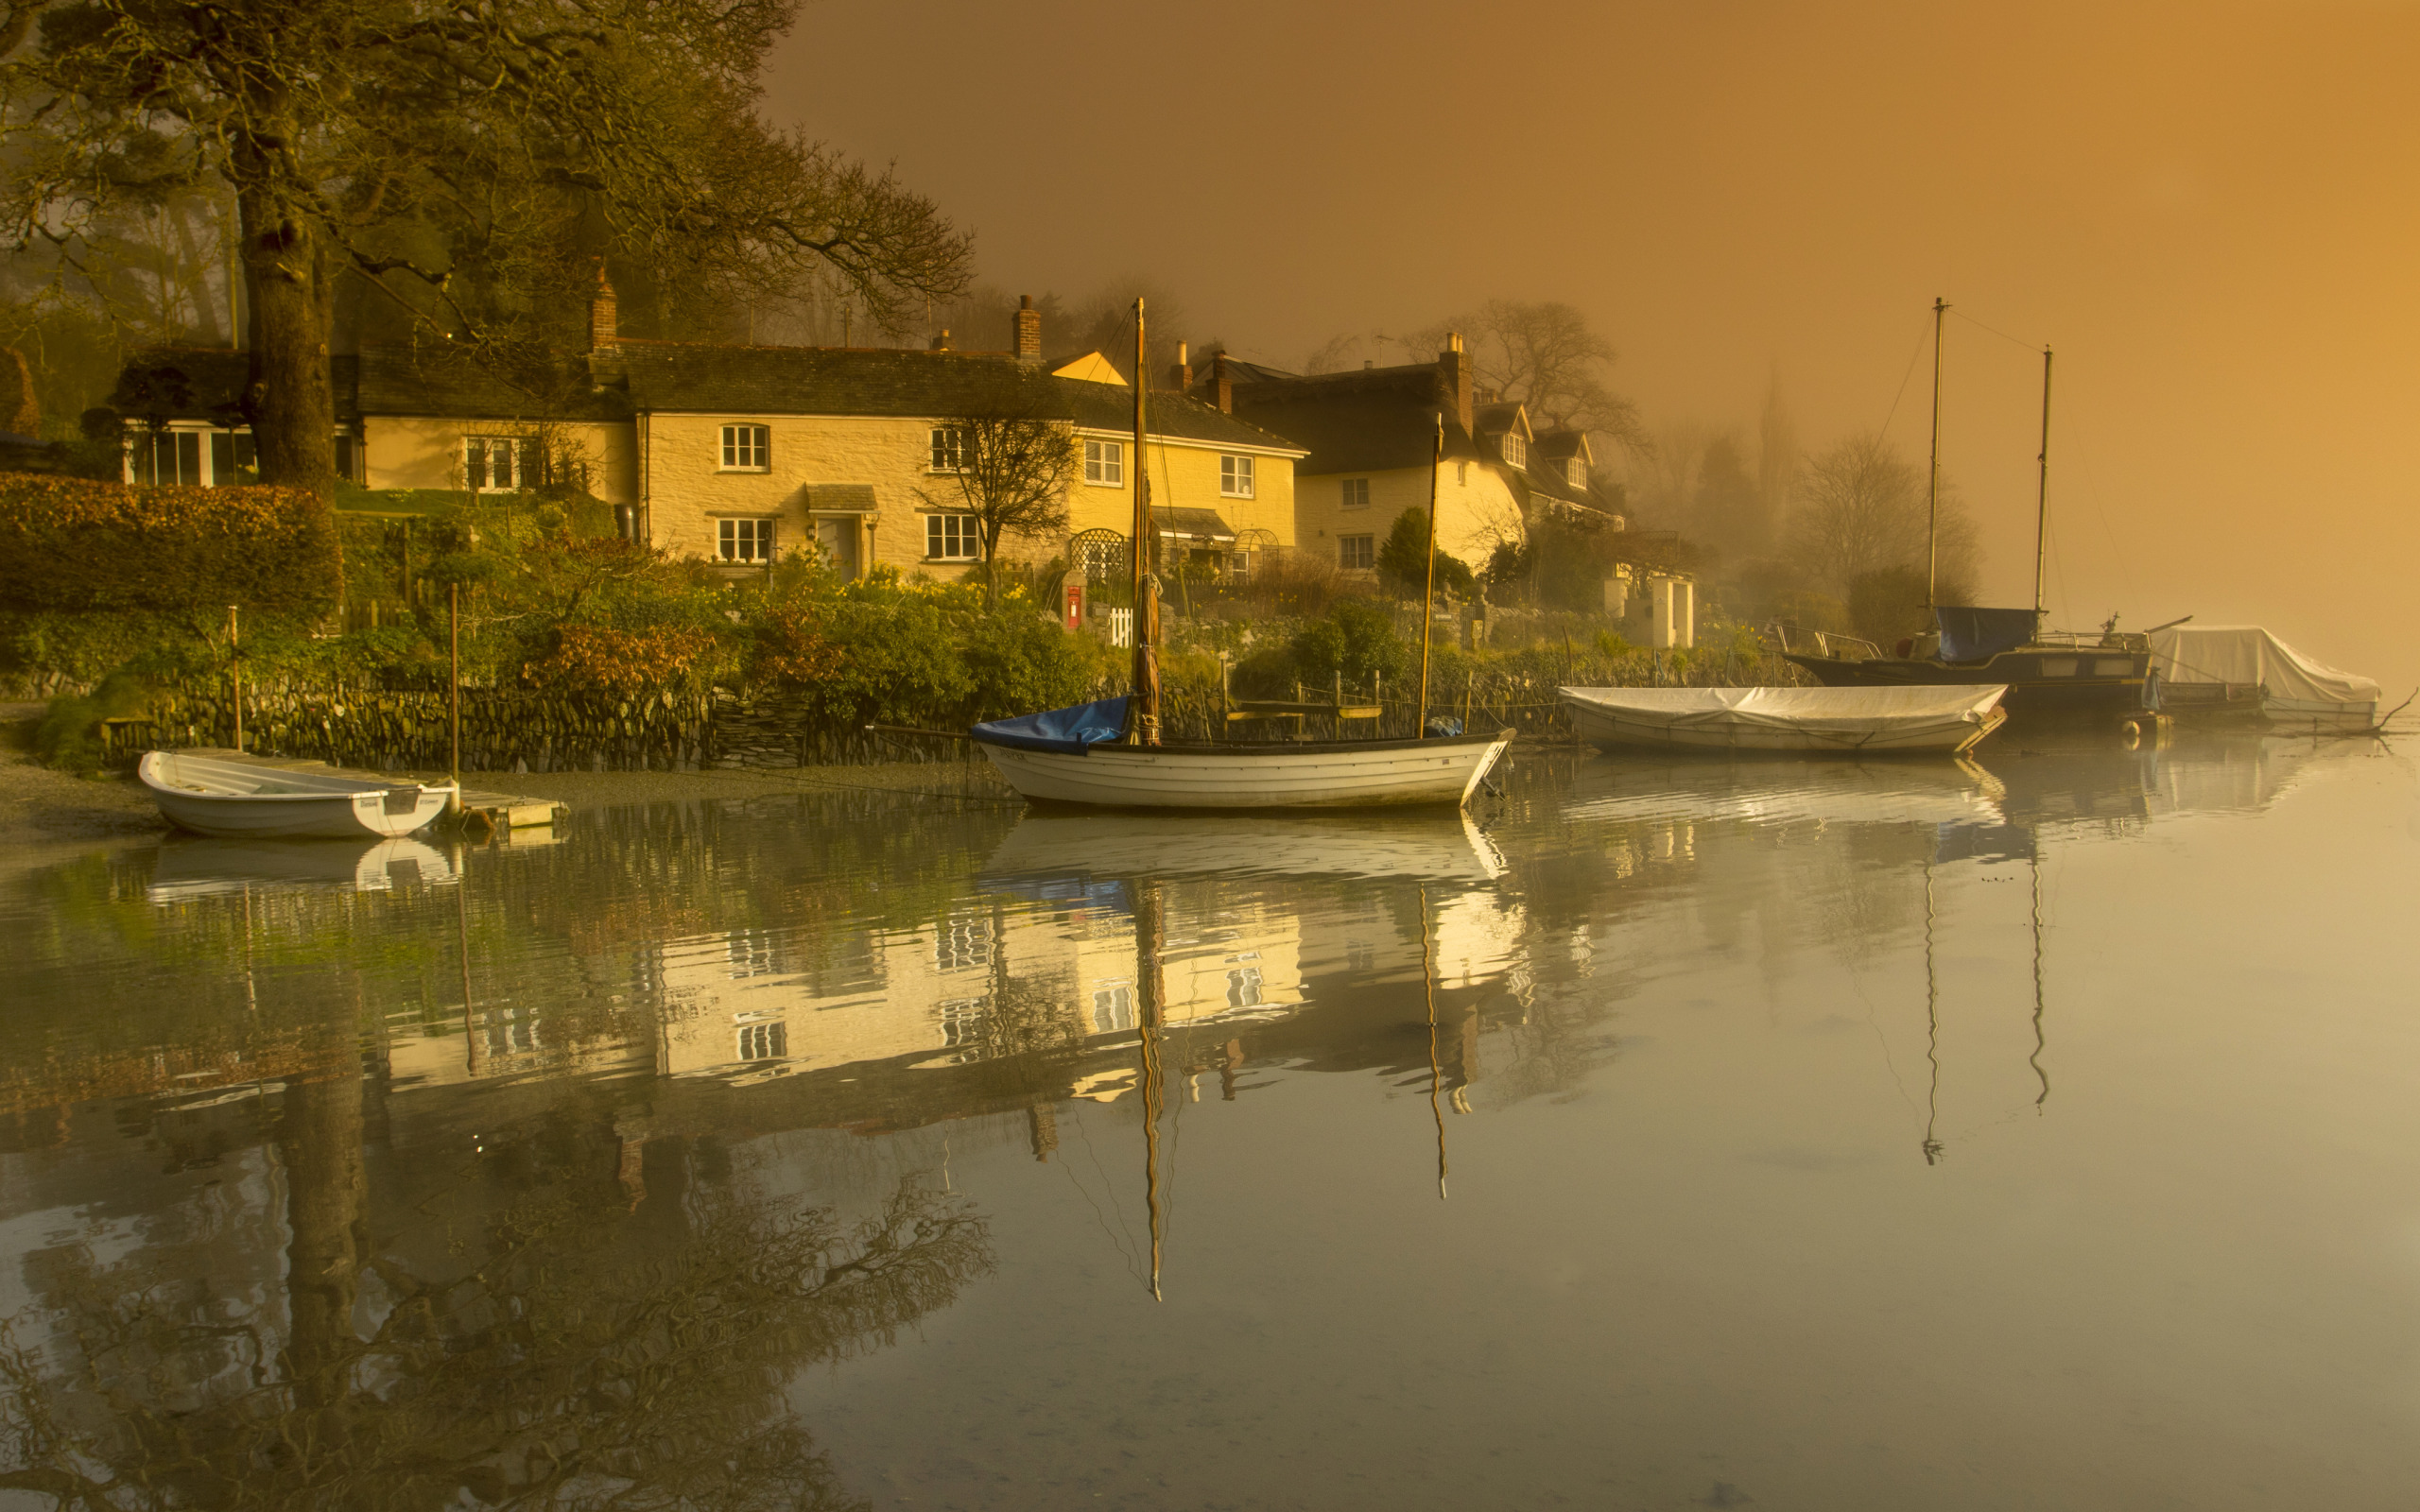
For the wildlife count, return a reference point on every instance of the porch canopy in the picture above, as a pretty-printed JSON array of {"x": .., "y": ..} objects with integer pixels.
[{"x": 1201, "y": 526}]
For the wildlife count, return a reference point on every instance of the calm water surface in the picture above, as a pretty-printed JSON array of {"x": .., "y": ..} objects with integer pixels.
[{"x": 2037, "y": 1134}]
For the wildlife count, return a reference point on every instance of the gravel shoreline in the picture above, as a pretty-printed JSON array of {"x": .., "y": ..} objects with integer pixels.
[{"x": 38, "y": 805}]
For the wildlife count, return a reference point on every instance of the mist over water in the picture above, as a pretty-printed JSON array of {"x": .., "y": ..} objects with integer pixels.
[
  {"x": 2204, "y": 209},
  {"x": 2014, "y": 1134}
]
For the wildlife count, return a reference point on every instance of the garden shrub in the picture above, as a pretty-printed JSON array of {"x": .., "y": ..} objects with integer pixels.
[{"x": 78, "y": 544}]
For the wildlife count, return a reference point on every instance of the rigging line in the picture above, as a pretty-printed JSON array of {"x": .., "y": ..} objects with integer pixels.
[
  {"x": 1122, "y": 1245},
  {"x": 2034, "y": 346},
  {"x": 2082, "y": 451},
  {"x": 1912, "y": 356}
]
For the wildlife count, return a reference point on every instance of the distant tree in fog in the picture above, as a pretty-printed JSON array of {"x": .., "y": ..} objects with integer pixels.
[
  {"x": 1727, "y": 508},
  {"x": 1541, "y": 355},
  {"x": 1104, "y": 322},
  {"x": 1860, "y": 510},
  {"x": 1777, "y": 457}
]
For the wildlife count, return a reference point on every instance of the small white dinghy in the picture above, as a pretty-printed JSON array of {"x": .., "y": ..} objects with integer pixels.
[
  {"x": 1073, "y": 756},
  {"x": 238, "y": 798},
  {"x": 1939, "y": 720}
]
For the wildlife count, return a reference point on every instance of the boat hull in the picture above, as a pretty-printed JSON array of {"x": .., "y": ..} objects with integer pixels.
[
  {"x": 2040, "y": 679},
  {"x": 236, "y": 801},
  {"x": 1336, "y": 775},
  {"x": 1792, "y": 721}
]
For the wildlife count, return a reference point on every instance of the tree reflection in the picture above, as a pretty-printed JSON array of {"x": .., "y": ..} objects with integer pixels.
[{"x": 541, "y": 1349}]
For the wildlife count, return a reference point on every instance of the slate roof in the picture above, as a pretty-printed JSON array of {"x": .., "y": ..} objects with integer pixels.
[
  {"x": 681, "y": 377},
  {"x": 208, "y": 383},
  {"x": 439, "y": 381},
  {"x": 1366, "y": 421},
  {"x": 678, "y": 377}
]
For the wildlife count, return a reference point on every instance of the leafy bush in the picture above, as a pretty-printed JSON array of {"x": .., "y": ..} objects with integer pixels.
[
  {"x": 1399, "y": 560},
  {"x": 69, "y": 736},
  {"x": 1357, "y": 639},
  {"x": 73, "y": 543}
]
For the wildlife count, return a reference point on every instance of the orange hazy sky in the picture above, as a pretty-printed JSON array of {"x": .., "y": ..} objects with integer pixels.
[{"x": 2209, "y": 210}]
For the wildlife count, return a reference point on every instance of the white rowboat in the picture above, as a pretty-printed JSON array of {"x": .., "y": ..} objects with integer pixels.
[
  {"x": 1328, "y": 775},
  {"x": 238, "y": 798},
  {"x": 1858, "y": 721}
]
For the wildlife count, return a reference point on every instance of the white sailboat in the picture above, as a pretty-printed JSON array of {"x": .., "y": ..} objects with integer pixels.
[{"x": 1108, "y": 754}]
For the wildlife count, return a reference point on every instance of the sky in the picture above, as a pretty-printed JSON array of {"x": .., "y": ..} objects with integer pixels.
[{"x": 2210, "y": 210}]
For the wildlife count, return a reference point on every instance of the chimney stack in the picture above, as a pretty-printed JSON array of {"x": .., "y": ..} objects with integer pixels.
[
  {"x": 1028, "y": 330},
  {"x": 1183, "y": 372},
  {"x": 941, "y": 343},
  {"x": 604, "y": 317},
  {"x": 1454, "y": 380},
  {"x": 1226, "y": 384}
]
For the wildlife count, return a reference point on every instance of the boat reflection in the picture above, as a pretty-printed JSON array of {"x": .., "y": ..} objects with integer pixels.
[{"x": 193, "y": 867}]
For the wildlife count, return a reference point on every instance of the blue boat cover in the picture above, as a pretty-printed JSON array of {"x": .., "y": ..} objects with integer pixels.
[
  {"x": 1979, "y": 634},
  {"x": 1068, "y": 731}
]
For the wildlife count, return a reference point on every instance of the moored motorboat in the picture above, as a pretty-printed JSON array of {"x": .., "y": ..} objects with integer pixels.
[
  {"x": 1077, "y": 756},
  {"x": 2044, "y": 671},
  {"x": 2241, "y": 670},
  {"x": 1857, "y": 721},
  {"x": 214, "y": 796}
]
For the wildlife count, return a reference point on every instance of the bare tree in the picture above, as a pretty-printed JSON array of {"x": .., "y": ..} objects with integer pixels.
[
  {"x": 1013, "y": 457},
  {"x": 1544, "y": 355},
  {"x": 444, "y": 155},
  {"x": 1105, "y": 323},
  {"x": 1862, "y": 510}
]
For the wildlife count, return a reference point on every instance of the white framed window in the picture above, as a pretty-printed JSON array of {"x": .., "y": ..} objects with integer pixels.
[
  {"x": 743, "y": 541},
  {"x": 951, "y": 537},
  {"x": 164, "y": 457},
  {"x": 1234, "y": 478},
  {"x": 949, "y": 449},
  {"x": 1576, "y": 471},
  {"x": 1516, "y": 449},
  {"x": 1105, "y": 463},
  {"x": 747, "y": 448},
  {"x": 1357, "y": 493},
  {"x": 1113, "y": 1007},
  {"x": 492, "y": 464},
  {"x": 1357, "y": 552},
  {"x": 765, "y": 1042}
]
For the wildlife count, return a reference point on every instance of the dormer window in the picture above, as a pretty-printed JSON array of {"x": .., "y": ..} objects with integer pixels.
[
  {"x": 1574, "y": 471},
  {"x": 1516, "y": 449}
]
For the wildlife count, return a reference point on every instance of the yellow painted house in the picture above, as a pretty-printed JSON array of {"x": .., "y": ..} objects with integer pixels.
[{"x": 737, "y": 455}]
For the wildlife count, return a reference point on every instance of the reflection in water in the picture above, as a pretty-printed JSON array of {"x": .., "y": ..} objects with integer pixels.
[
  {"x": 501, "y": 1320},
  {"x": 536, "y": 1174}
]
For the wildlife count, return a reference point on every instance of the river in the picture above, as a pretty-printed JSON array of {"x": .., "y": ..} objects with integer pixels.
[{"x": 2038, "y": 1132}]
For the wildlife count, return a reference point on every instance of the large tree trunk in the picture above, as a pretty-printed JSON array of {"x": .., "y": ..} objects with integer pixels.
[
  {"x": 320, "y": 1142},
  {"x": 287, "y": 275}
]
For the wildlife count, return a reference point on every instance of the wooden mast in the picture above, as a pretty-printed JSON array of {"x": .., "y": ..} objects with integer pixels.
[
  {"x": 1932, "y": 489},
  {"x": 1149, "y": 931},
  {"x": 1429, "y": 584},
  {"x": 1436, "y": 1072},
  {"x": 1143, "y": 721},
  {"x": 2042, "y": 495}
]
